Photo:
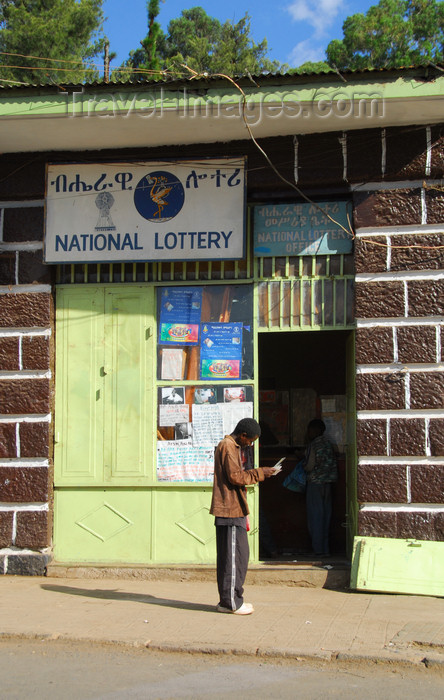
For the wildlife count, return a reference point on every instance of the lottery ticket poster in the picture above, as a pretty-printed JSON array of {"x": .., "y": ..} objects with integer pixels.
[
  {"x": 180, "y": 314},
  {"x": 221, "y": 351}
]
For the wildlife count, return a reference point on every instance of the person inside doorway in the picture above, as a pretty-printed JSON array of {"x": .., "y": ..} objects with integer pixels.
[
  {"x": 229, "y": 506},
  {"x": 322, "y": 471}
]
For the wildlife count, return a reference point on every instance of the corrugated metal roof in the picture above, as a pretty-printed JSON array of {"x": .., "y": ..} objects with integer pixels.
[{"x": 244, "y": 77}]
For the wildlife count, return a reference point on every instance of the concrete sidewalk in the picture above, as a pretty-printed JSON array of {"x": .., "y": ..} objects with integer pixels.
[{"x": 295, "y": 622}]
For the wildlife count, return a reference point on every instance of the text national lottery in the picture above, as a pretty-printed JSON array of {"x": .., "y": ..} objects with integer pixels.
[{"x": 153, "y": 211}]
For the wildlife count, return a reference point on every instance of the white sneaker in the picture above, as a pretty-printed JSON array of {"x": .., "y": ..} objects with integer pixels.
[{"x": 245, "y": 609}]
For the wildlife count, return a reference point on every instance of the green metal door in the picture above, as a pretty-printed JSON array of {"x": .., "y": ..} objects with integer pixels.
[
  {"x": 104, "y": 385},
  {"x": 104, "y": 429},
  {"x": 78, "y": 451},
  {"x": 128, "y": 391}
]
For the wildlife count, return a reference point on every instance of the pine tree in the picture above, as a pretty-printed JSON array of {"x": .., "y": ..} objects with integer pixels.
[
  {"x": 200, "y": 42},
  {"x": 394, "y": 33},
  {"x": 49, "y": 40}
]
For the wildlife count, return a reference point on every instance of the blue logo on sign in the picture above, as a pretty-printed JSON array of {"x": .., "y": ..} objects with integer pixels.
[{"x": 159, "y": 196}]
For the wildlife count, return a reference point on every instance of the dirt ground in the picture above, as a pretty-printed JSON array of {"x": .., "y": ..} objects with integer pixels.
[{"x": 46, "y": 669}]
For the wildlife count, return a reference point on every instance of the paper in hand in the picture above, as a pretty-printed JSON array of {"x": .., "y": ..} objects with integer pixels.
[{"x": 278, "y": 466}]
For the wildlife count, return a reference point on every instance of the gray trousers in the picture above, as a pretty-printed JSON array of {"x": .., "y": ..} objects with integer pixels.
[
  {"x": 233, "y": 553},
  {"x": 319, "y": 503}
]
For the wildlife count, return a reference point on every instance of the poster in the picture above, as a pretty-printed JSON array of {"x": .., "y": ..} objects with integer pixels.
[
  {"x": 190, "y": 456},
  {"x": 208, "y": 424},
  {"x": 173, "y": 394},
  {"x": 172, "y": 414},
  {"x": 221, "y": 351},
  {"x": 180, "y": 312},
  {"x": 179, "y": 460},
  {"x": 234, "y": 394},
  {"x": 173, "y": 361},
  {"x": 212, "y": 422},
  {"x": 205, "y": 394},
  {"x": 233, "y": 413},
  {"x": 183, "y": 431}
]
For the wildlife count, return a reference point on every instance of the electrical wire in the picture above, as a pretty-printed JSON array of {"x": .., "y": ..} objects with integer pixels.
[
  {"x": 41, "y": 58},
  {"x": 270, "y": 163},
  {"x": 87, "y": 70},
  {"x": 80, "y": 65},
  {"x": 13, "y": 82},
  {"x": 205, "y": 75},
  {"x": 293, "y": 185},
  {"x": 418, "y": 246}
]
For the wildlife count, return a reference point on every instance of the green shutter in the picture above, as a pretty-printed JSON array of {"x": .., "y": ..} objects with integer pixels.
[{"x": 104, "y": 386}]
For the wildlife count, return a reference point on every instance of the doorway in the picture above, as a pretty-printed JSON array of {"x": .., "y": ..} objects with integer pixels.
[{"x": 302, "y": 375}]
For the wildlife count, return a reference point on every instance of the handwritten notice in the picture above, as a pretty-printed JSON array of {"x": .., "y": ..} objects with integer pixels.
[
  {"x": 170, "y": 415},
  {"x": 173, "y": 360},
  {"x": 233, "y": 413},
  {"x": 211, "y": 422},
  {"x": 181, "y": 461},
  {"x": 208, "y": 424}
]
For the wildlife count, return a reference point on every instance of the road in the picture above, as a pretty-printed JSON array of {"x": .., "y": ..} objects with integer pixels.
[{"x": 49, "y": 670}]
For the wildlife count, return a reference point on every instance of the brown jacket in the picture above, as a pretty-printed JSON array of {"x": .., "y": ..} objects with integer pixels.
[{"x": 229, "y": 497}]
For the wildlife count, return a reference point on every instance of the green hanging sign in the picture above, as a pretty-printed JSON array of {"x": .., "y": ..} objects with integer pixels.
[{"x": 323, "y": 228}]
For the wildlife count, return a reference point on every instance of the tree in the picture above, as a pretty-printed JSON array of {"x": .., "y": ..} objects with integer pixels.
[
  {"x": 311, "y": 67},
  {"x": 236, "y": 52},
  {"x": 191, "y": 39},
  {"x": 154, "y": 34},
  {"x": 202, "y": 43},
  {"x": 147, "y": 57},
  {"x": 66, "y": 33},
  {"x": 393, "y": 34}
]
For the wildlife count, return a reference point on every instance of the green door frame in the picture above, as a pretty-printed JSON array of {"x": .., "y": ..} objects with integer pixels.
[{"x": 351, "y": 451}]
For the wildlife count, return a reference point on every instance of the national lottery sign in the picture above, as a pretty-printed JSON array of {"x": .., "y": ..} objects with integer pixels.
[{"x": 151, "y": 211}]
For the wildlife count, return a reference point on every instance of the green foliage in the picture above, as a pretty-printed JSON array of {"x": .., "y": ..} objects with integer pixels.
[
  {"x": 311, "y": 67},
  {"x": 393, "y": 34},
  {"x": 147, "y": 57},
  {"x": 62, "y": 30},
  {"x": 237, "y": 53},
  {"x": 149, "y": 44},
  {"x": 191, "y": 39},
  {"x": 203, "y": 44}
]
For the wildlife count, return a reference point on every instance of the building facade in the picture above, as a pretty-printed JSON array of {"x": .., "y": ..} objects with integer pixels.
[{"x": 102, "y": 402}]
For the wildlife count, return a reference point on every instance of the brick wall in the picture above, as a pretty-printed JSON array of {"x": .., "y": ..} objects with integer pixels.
[
  {"x": 399, "y": 354},
  {"x": 26, "y": 391}
]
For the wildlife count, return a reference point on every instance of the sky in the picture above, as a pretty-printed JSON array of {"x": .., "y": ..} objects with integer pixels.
[{"x": 296, "y": 30}]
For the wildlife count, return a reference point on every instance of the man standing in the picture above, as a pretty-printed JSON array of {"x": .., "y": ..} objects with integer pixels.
[
  {"x": 229, "y": 506},
  {"x": 322, "y": 472}
]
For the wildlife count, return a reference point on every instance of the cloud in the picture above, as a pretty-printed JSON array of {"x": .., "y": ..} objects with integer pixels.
[
  {"x": 306, "y": 51},
  {"x": 319, "y": 13}
]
